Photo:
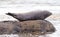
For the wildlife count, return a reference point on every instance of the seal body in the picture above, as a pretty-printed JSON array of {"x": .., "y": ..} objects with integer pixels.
[{"x": 33, "y": 15}]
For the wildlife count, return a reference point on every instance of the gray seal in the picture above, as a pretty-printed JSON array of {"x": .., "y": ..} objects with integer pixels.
[{"x": 33, "y": 15}]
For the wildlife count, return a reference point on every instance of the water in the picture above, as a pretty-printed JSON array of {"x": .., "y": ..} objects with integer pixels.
[{"x": 41, "y": 2}]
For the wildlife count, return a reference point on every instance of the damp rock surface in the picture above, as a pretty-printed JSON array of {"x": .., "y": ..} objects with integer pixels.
[{"x": 35, "y": 27}]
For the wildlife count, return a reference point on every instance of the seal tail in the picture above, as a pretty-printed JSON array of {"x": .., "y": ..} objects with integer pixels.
[{"x": 11, "y": 14}]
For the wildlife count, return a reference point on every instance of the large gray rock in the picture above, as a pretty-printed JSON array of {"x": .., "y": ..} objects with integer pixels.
[
  {"x": 40, "y": 27},
  {"x": 35, "y": 27},
  {"x": 33, "y": 15},
  {"x": 7, "y": 27}
]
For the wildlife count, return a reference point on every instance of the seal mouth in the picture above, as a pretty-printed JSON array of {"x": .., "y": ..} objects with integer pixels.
[
  {"x": 50, "y": 14},
  {"x": 47, "y": 15}
]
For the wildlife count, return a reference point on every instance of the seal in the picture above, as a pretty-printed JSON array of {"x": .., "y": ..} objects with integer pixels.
[{"x": 33, "y": 15}]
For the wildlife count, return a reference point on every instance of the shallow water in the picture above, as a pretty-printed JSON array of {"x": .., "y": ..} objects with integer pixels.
[{"x": 41, "y": 2}]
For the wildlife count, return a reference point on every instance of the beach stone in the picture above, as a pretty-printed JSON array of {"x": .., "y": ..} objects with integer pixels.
[{"x": 35, "y": 27}]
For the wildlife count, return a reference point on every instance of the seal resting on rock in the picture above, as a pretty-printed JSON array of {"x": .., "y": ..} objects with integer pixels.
[
  {"x": 33, "y": 15},
  {"x": 35, "y": 27}
]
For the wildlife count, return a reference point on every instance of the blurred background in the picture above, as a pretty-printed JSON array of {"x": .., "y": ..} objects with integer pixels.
[{"x": 24, "y": 6}]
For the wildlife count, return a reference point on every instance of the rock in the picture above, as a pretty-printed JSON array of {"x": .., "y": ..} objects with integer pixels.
[
  {"x": 35, "y": 27},
  {"x": 8, "y": 27},
  {"x": 40, "y": 27}
]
